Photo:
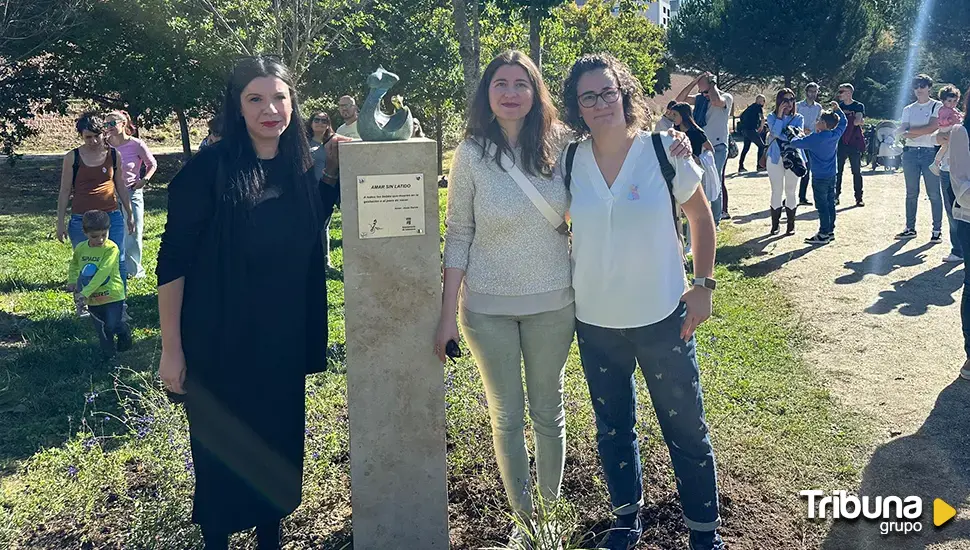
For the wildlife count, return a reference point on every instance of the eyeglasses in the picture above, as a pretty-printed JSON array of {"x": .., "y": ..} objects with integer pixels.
[
  {"x": 609, "y": 96},
  {"x": 788, "y": 99},
  {"x": 920, "y": 86},
  {"x": 323, "y": 120}
]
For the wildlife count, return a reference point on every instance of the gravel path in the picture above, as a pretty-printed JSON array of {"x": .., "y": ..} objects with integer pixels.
[{"x": 884, "y": 317}]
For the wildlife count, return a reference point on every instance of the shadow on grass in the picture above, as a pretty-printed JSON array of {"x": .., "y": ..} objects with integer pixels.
[
  {"x": 45, "y": 381},
  {"x": 735, "y": 256},
  {"x": 17, "y": 285}
]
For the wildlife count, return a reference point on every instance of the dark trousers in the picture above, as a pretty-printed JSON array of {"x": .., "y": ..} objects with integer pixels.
[
  {"x": 750, "y": 136},
  {"x": 803, "y": 185},
  {"x": 823, "y": 190},
  {"x": 669, "y": 365},
  {"x": 949, "y": 197},
  {"x": 107, "y": 321},
  {"x": 267, "y": 537},
  {"x": 963, "y": 231},
  {"x": 855, "y": 161}
]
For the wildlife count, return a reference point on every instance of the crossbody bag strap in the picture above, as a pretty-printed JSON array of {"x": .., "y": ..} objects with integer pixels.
[
  {"x": 530, "y": 191},
  {"x": 669, "y": 173},
  {"x": 570, "y": 157},
  {"x": 77, "y": 166}
]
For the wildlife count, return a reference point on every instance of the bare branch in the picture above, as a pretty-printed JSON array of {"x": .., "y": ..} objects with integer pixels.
[{"x": 218, "y": 15}]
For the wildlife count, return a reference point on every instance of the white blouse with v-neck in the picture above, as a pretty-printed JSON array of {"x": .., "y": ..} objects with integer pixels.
[{"x": 627, "y": 267}]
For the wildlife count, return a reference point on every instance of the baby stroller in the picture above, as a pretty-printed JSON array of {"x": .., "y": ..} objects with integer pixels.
[{"x": 888, "y": 152}]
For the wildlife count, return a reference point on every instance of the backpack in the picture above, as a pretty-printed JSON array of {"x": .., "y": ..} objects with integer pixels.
[
  {"x": 77, "y": 163},
  {"x": 667, "y": 169}
]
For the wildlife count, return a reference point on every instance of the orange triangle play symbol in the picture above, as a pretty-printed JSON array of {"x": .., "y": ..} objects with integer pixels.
[{"x": 942, "y": 512}]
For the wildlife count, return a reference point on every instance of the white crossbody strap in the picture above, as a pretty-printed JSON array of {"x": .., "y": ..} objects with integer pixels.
[{"x": 530, "y": 191}]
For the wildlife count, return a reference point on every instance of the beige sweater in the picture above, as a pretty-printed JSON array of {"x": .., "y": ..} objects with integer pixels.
[{"x": 497, "y": 236}]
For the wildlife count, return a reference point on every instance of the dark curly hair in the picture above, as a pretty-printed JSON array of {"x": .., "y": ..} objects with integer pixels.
[
  {"x": 536, "y": 136},
  {"x": 90, "y": 121},
  {"x": 634, "y": 103}
]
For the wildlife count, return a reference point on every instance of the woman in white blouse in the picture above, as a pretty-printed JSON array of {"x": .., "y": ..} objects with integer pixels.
[
  {"x": 632, "y": 305},
  {"x": 507, "y": 273}
]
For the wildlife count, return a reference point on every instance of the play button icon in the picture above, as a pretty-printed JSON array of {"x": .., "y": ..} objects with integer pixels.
[{"x": 942, "y": 512}]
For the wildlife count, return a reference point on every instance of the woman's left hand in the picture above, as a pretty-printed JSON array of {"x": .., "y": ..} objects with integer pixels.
[
  {"x": 680, "y": 148},
  {"x": 333, "y": 151},
  {"x": 700, "y": 304}
]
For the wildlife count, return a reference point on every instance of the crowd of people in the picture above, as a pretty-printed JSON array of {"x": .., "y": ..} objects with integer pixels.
[{"x": 247, "y": 216}]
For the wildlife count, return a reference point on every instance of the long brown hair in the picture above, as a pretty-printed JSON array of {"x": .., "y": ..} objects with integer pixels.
[
  {"x": 778, "y": 97},
  {"x": 686, "y": 116},
  {"x": 535, "y": 139}
]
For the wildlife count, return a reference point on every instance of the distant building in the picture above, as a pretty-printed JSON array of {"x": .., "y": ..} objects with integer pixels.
[{"x": 660, "y": 12}]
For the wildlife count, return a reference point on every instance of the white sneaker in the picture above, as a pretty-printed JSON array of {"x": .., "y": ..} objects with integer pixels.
[{"x": 952, "y": 258}]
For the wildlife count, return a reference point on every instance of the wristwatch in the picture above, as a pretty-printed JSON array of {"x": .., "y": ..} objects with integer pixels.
[{"x": 705, "y": 282}]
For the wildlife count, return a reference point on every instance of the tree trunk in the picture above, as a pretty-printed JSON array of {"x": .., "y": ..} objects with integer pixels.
[
  {"x": 535, "y": 29},
  {"x": 465, "y": 13},
  {"x": 184, "y": 129},
  {"x": 788, "y": 80},
  {"x": 440, "y": 139}
]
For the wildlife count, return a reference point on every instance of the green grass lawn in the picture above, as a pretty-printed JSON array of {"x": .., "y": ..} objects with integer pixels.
[{"x": 93, "y": 456}]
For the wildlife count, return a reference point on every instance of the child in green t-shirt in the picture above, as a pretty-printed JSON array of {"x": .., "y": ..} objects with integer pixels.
[{"x": 95, "y": 275}]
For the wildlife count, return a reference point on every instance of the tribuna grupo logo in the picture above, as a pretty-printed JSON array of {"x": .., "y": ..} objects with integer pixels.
[{"x": 895, "y": 514}]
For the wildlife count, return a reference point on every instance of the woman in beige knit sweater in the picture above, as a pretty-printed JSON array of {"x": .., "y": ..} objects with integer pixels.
[{"x": 507, "y": 276}]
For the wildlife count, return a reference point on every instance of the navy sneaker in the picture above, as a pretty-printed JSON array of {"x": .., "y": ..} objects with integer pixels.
[
  {"x": 706, "y": 540},
  {"x": 124, "y": 338},
  {"x": 625, "y": 533}
]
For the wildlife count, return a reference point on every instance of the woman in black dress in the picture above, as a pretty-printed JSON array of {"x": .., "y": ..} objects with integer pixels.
[{"x": 243, "y": 306}]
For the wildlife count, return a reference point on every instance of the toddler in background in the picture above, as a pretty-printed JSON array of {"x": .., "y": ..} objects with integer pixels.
[{"x": 948, "y": 117}]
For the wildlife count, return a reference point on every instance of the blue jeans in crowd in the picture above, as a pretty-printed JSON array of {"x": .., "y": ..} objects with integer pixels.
[
  {"x": 823, "y": 192},
  {"x": 720, "y": 159},
  {"x": 108, "y": 322},
  {"x": 916, "y": 163},
  {"x": 133, "y": 242},
  {"x": 949, "y": 197},
  {"x": 963, "y": 233},
  {"x": 116, "y": 233},
  {"x": 669, "y": 364}
]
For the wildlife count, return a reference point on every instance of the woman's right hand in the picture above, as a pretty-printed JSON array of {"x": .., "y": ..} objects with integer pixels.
[
  {"x": 447, "y": 331},
  {"x": 61, "y": 231},
  {"x": 171, "y": 370}
]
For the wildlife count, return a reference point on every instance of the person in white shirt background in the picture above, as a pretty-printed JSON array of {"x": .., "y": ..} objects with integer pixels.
[
  {"x": 348, "y": 111},
  {"x": 810, "y": 110},
  {"x": 918, "y": 127},
  {"x": 631, "y": 304}
]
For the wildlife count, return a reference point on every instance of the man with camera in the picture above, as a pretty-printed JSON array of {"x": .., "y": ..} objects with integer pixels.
[{"x": 712, "y": 112}]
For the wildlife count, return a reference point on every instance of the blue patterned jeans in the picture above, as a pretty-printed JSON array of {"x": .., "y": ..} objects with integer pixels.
[{"x": 669, "y": 364}]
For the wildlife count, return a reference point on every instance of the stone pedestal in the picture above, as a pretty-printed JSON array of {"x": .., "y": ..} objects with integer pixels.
[{"x": 395, "y": 384}]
